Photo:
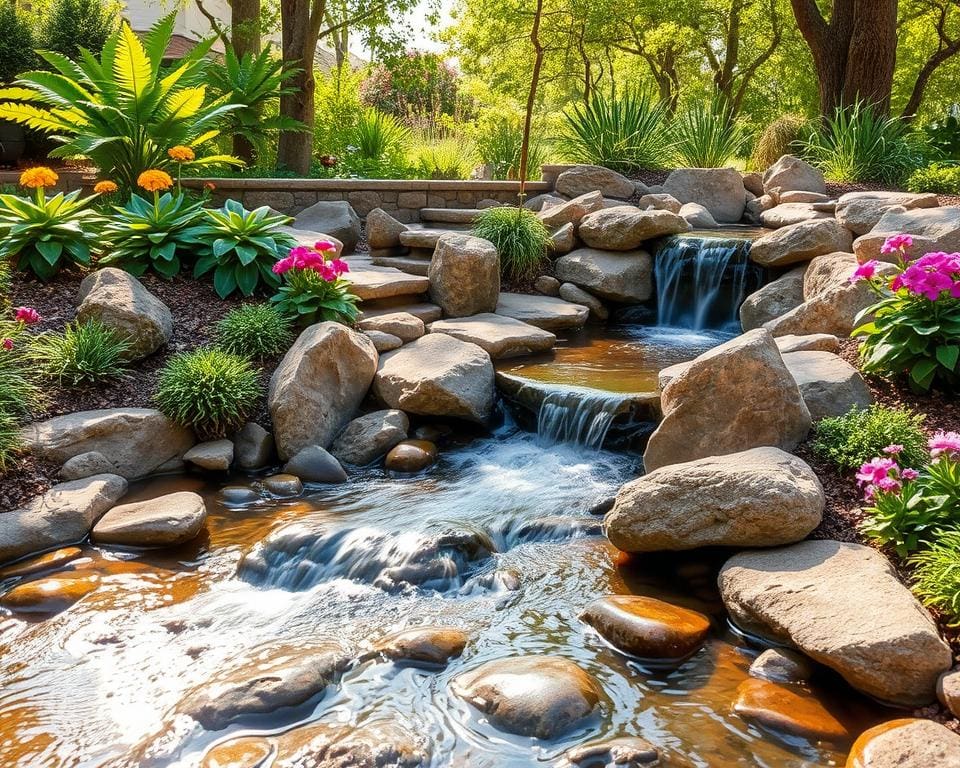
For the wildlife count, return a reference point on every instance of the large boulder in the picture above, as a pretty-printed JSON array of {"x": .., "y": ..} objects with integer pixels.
[
  {"x": 861, "y": 211},
  {"x": 541, "y": 696},
  {"x": 844, "y": 606},
  {"x": 368, "y": 437},
  {"x": 136, "y": 441},
  {"x": 119, "y": 301},
  {"x": 63, "y": 515},
  {"x": 332, "y": 217},
  {"x": 762, "y": 497},
  {"x": 626, "y": 227},
  {"x": 776, "y": 298},
  {"x": 906, "y": 743},
  {"x": 164, "y": 521},
  {"x": 734, "y": 397},
  {"x": 791, "y": 173},
  {"x": 571, "y": 211},
  {"x": 582, "y": 179},
  {"x": 932, "y": 229},
  {"x": 624, "y": 276},
  {"x": 800, "y": 242},
  {"x": 646, "y": 627},
  {"x": 383, "y": 231},
  {"x": 438, "y": 375},
  {"x": 719, "y": 190},
  {"x": 464, "y": 275},
  {"x": 498, "y": 336},
  {"x": 319, "y": 385},
  {"x": 829, "y": 384}
]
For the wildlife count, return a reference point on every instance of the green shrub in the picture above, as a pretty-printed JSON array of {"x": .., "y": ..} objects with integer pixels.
[
  {"x": 209, "y": 390},
  {"x": 43, "y": 235},
  {"x": 860, "y": 434},
  {"x": 17, "y": 43},
  {"x": 858, "y": 144},
  {"x": 937, "y": 177},
  {"x": 255, "y": 331},
  {"x": 626, "y": 133},
  {"x": 70, "y": 25},
  {"x": 122, "y": 111},
  {"x": 153, "y": 235},
  {"x": 944, "y": 135},
  {"x": 520, "y": 237},
  {"x": 936, "y": 575},
  {"x": 778, "y": 139},
  {"x": 499, "y": 144},
  {"x": 83, "y": 353},
  {"x": 706, "y": 135},
  {"x": 452, "y": 157},
  {"x": 376, "y": 147},
  {"x": 241, "y": 247}
]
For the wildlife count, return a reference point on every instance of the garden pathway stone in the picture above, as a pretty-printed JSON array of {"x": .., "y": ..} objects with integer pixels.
[
  {"x": 547, "y": 312},
  {"x": 385, "y": 282},
  {"x": 500, "y": 336},
  {"x": 424, "y": 310},
  {"x": 411, "y": 264},
  {"x": 449, "y": 215}
]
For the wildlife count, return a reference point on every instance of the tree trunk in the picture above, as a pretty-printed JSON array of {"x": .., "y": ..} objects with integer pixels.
[
  {"x": 244, "y": 39},
  {"x": 531, "y": 97},
  {"x": 298, "y": 43},
  {"x": 854, "y": 53}
]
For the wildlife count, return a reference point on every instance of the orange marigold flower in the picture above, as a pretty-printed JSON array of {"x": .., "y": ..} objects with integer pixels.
[
  {"x": 105, "y": 187},
  {"x": 181, "y": 154},
  {"x": 154, "y": 180},
  {"x": 209, "y": 186},
  {"x": 41, "y": 176}
]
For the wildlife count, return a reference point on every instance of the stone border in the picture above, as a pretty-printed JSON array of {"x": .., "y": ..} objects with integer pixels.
[{"x": 401, "y": 198}]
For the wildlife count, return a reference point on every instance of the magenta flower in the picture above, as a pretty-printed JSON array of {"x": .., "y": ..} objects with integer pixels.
[
  {"x": 945, "y": 443},
  {"x": 284, "y": 265},
  {"x": 328, "y": 273},
  {"x": 7, "y": 343},
  {"x": 324, "y": 245},
  {"x": 865, "y": 271},
  {"x": 888, "y": 484},
  {"x": 896, "y": 244},
  {"x": 893, "y": 449},
  {"x": 27, "y": 315},
  {"x": 909, "y": 474},
  {"x": 875, "y": 470},
  {"x": 340, "y": 266}
]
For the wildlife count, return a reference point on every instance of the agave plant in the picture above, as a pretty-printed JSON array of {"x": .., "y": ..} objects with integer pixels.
[
  {"x": 241, "y": 247},
  {"x": 123, "y": 111}
]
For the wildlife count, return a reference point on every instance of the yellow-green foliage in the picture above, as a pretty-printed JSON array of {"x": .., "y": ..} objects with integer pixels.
[{"x": 777, "y": 140}]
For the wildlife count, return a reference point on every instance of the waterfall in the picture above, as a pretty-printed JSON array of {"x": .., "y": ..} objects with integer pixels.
[
  {"x": 578, "y": 416},
  {"x": 701, "y": 281}
]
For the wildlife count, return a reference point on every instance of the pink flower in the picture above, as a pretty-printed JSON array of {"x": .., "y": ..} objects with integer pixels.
[
  {"x": 7, "y": 343},
  {"x": 897, "y": 243},
  {"x": 888, "y": 484},
  {"x": 328, "y": 273},
  {"x": 945, "y": 443},
  {"x": 893, "y": 450},
  {"x": 909, "y": 474},
  {"x": 340, "y": 266},
  {"x": 284, "y": 265},
  {"x": 27, "y": 315},
  {"x": 324, "y": 245},
  {"x": 876, "y": 470},
  {"x": 865, "y": 271}
]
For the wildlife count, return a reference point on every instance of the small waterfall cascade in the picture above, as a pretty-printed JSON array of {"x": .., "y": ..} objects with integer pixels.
[
  {"x": 701, "y": 281},
  {"x": 578, "y": 416}
]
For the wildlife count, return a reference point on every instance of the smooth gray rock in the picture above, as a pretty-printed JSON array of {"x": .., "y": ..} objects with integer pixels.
[
  {"x": 792, "y": 173},
  {"x": 314, "y": 464},
  {"x": 576, "y": 295},
  {"x": 86, "y": 465},
  {"x": 626, "y": 227},
  {"x": 500, "y": 337},
  {"x": 336, "y": 218},
  {"x": 464, "y": 275},
  {"x": 215, "y": 455},
  {"x": 368, "y": 437},
  {"x": 719, "y": 190},
  {"x": 582, "y": 179},
  {"x": 829, "y": 384},
  {"x": 383, "y": 231},
  {"x": 253, "y": 446},
  {"x": 624, "y": 277},
  {"x": 774, "y": 299}
]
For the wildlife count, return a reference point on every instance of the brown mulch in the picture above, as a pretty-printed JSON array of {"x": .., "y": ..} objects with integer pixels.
[{"x": 196, "y": 308}]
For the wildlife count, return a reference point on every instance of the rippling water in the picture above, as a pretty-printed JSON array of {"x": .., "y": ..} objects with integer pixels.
[{"x": 95, "y": 684}]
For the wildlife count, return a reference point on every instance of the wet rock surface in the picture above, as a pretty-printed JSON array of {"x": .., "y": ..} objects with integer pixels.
[
  {"x": 500, "y": 337},
  {"x": 313, "y": 464},
  {"x": 780, "y": 665},
  {"x": 646, "y": 627},
  {"x": 368, "y": 437},
  {"x": 49, "y": 595},
  {"x": 788, "y": 710},
  {"x": 424, "y": 646},
  {"x": 411, "y": 456},
  {"x": 165, "y": 521},
  {"x": 216, "y": 455},
  {"x": 906, "y": 743},
  {"x": 620, "y": 752},
  {"x": 253, "y": 446},
  {"x": 541, "y": 696}
]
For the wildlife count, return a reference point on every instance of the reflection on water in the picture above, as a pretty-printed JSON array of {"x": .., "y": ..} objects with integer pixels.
[{"x": 87, "y": 687}]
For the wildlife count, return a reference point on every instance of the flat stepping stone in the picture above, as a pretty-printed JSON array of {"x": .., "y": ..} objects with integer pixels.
[
  {"x": 386, "y": 282},
  {"x": 500, "y": 336},
  {"x": 412, "y": 265},
  {"x": 423, "y": 238},
  {"x": 165, "y": 521},
  {"x": 424, "y": 310},
  {"x": 450, "y": 215},
  {"x": 546, "y": 312}
]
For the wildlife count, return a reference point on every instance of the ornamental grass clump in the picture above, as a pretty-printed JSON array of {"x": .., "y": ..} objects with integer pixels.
[
  {"x": 862, "y": 433},
  {"x": 255, "y": 331},
  {"x": 43, "y": 235},
  {"x": 209, "y": 390},
  {"x": 936, "y": 575},
  {"x": 520, "y": 238},
  {"x": 313, "y": 287},
  {"x": 911, "y": 508},
  {"x": 83, "y": 353},
  {"x": 915, "y": 327}
]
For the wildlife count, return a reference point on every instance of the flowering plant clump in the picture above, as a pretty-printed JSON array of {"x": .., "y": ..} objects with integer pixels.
[
  {"x": 20, "y": 394},
  {"x": 910, "y": 508},
  {"x": 313, "y": 287},
  {"x": 915, "y": 327}
]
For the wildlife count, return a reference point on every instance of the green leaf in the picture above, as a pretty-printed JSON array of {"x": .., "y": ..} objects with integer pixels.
[
  {"x": 50, "y": 251},
  {"x": 247, "y": 276},
  {"x": 948, "y": 356},
  {"x": 923, "y": 372},
  {"x": 224, "y": 281},
  {"x": 247, "y": 254}
]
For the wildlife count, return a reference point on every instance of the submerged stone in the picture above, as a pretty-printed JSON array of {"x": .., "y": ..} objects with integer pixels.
[
  {"x": 411, "y": 456},
  {"x": 620, "y": 752},
  {"x": 788, "y": 710},
  {"x": 314, "y": 464},
  {"x": 50, "y": 595},
  {"x": 646, "y": 627},
  {"x": 283, "y": 485},
  {"x": 780, "y": 665},
  {"x": 541, "y": 696},
  {"x": 424, "y": 646},
  {"x": 41, "y": 563}
]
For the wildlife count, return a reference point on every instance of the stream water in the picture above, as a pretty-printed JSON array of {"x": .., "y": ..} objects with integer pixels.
[{"x": 496, "y": 539}]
